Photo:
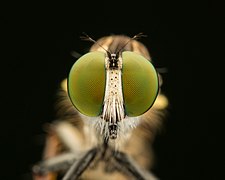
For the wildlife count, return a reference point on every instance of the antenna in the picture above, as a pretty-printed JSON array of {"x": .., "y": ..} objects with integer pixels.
[
  {"x": 85, "y": 37},
  {"x": 135, "y": 37}
]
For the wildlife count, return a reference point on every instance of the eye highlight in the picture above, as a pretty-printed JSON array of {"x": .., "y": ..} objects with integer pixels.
[
  {"x": 86, "y": 83},
  {"x": 140, "y": 83}
]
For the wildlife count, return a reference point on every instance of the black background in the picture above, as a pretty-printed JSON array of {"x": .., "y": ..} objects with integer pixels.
[{"x": 37, "y": 42}]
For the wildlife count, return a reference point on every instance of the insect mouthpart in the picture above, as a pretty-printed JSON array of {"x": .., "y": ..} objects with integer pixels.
[{"x": 113, "y": 131}]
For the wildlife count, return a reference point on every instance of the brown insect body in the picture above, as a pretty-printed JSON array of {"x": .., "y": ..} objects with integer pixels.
[{"x": 73, "y": 132}]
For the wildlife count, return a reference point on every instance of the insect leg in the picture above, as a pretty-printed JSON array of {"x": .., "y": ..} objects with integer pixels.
[
  {"x": 61, "y": 134},
  {"x": 52, "y": 148},
  {"x": 80, "y": 165},
  {"x": 131, "y": 167},
  {"x": 57, "y": 163}
]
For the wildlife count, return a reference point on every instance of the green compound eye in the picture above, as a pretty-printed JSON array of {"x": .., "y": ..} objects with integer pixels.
[
  {"x": 139, "y": 82},
  {"x": 86, "y": 83}
]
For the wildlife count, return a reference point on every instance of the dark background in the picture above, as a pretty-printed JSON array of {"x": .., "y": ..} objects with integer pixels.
[{"x": 37, "y": 42}]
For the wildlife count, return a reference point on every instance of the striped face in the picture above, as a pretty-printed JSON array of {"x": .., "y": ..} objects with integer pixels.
[{"x": 126, "y": 85}]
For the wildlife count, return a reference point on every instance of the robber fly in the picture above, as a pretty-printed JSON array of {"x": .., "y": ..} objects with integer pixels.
[{"x": 109, "y": 110}]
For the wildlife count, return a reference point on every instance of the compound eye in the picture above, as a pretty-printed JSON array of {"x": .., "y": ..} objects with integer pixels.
[
  {"x": 140, "y": 83},
  {"x": 86, "y": 83}
]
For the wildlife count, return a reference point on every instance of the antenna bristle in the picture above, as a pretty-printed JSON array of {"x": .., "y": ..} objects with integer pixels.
[
  {"x": 85, "y": 37},
  {"x": 139, "y": 35}
]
